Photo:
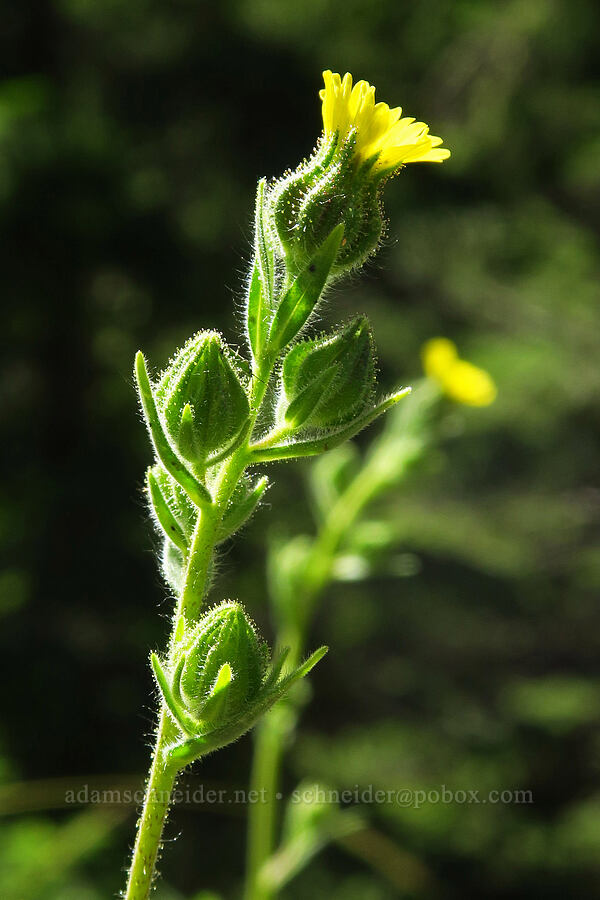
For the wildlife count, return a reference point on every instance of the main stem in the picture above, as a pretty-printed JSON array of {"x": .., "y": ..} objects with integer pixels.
[
  {"x": 161, "y": 781},
  {"x": 162, "y": 776}
]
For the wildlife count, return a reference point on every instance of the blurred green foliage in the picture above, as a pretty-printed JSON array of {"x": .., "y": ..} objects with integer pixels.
[{"x": 131, "y": 137}]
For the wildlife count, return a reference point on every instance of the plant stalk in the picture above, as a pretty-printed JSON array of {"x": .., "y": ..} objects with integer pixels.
[
  {"x": 161, "y": 781},
  {"x": 162, "y": 776}
]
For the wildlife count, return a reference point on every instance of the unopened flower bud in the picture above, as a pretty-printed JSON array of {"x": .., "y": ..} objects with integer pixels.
[
  {"x": 201, "y": 398},
  {"x": 224, "y": 665},
  {"x": 330, "y": 380}
]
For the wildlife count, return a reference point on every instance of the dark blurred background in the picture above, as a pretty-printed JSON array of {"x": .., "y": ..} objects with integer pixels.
[{"x": 131, "y": 138}]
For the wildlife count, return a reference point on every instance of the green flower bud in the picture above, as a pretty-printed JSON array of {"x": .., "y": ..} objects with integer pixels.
[
  {"x": 363, "y": 144},
  {"x": 201, "y": 399},
  {"x": 333, "y": 187},
  {"x": 328, "y": 381},
  {"x": 223, "y": 665}
]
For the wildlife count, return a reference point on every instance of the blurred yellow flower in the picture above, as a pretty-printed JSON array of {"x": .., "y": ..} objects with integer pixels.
[
  {"x": 379, "y": 130},
  {"x": 460, "y": 380}
]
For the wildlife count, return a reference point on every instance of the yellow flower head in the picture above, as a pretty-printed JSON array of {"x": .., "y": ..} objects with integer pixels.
[
  {"x": 379, "y": 130},
  {"x": 460, "y": 380}
]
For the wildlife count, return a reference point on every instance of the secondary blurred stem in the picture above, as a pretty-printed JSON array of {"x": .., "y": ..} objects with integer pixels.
[
  {"x": 271, "y": 735},
  {"x": 269, "y": 743}
]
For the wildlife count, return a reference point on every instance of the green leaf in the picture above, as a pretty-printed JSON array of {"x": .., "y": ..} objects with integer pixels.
[
  {"x": 214, "y": 707},
  {"x": 244, "y": 502},
  {"x": 303, "y": 669},
  {"x": 173, "y": 566},
  {"x": 304, "y": 404},
  {"x": 264, "y": 246},
  {"x": 295, "y": 449},
  {"x": 187, "y": 723},
  {"x": 164, "y": 516},
  {"x": 261, "y": 293},
  {"x": 231, "y": 447},
  {"x": 276, "y": 667},
  {"x": 186, "y": 442},
  {"x": 256, "y": 321},
  {"x": 304, "y": 293},
  {"x": 185, "y": 752},
  {"x": 330, "y": 380},
  {"x": 184, "y": 511},
  {"x": 196, "y": 491}
]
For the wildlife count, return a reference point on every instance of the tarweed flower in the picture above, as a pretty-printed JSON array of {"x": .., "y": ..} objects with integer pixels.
[
  {"x": 363, "y": 144},
  {"x": 460, "y": 380},
  {"x": 381, "y": 135}
]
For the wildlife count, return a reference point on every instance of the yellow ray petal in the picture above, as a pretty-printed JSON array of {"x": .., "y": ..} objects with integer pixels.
[{"x": 379, "y": 130}]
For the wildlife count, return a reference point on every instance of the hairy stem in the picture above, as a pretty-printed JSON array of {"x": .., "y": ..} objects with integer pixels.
[
  {"x": 161, "y": 781},
  {"x": 162, "y": 776}
]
